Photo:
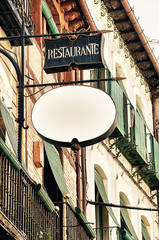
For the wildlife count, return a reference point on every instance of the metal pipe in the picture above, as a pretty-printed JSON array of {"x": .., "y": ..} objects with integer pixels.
[
  {"x": 77, "y": 74},
  {"x": 83, "y": 162},
  {"x": 78, "y": 177},
  {"x": 53, "y": 35},
  {"x": 78, "y": 159},
  {"x": 13, "y": 62},
  {"x": 154, "y": 117},
  {"x": 84, "y": 179},
  {"x": 21, "y": 98},
  {"x": 84, "y": 7},
  {"x": 49, "y": 17},
  {"x": 122, "y": 206},
  {"x": 73, "y": 82}
]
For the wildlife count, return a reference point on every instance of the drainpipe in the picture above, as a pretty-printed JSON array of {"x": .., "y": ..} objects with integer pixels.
[
  {"x": 83, "y": 160},
  {"x": 83, "y": 164},
  {"x": 78, "y": 158},
  {"x": 154, "y": 117},
  {"x": 140, "y": 33},
  {"x": 78, "y": 178},
  {"x": 49, "y": 17},
  {"x": 84, "y": 7},
  {"x": 155, "y": 135}
]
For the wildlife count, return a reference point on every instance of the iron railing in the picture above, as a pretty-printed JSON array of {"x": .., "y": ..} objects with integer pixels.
[
  {"x": 73, "y": 228},
  {"x": 24, "y": 9},
  {"x": 108, "y": 233},
  {"x": 20, "y": 203}
]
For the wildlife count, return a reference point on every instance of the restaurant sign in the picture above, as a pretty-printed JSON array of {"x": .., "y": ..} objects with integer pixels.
[{"x": 84, "y": 52}]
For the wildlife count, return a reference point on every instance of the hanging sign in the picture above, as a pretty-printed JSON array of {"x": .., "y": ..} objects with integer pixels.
[
  {"x": 74, "y": 112},
  {"x": 84, "y": 53}
]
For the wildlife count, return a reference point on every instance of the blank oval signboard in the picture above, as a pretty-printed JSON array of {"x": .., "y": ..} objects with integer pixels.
[{"x": 81, "y": 112}]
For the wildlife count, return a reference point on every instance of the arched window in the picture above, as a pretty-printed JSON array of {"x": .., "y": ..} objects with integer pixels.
[
  {"x": 101, "y": 212},
  {"x": 145, "y": 228},
  {"x": 127, "y": 229},
  {"x": 140, "y": 107},
  {"x": 100, "y": 73},
  {"x": 2, "y": 128},
  {"x": 120, "y": 73},
  {"x": 104, "y": 230}
]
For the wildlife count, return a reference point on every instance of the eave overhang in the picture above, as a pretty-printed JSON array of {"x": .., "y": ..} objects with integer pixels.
[{"x": 135, "y": 40}]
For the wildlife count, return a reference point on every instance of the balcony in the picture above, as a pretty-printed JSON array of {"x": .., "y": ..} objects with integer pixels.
[
  {"x": 129, "y": 135},
  {"x": 27, "y": 211},
  {"x": 150, "y": 173},
  {"x": 11, "y": 12},
  {"x": 21, "y": 208},
  {"x": 133, "y": 146}
]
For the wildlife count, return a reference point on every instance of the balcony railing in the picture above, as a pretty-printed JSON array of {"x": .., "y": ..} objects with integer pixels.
[
  {"x": 73, "y": 228},
  {"x": 12, "y": 12},
  {"x": 105, "y": 233},
  {"x": 22, "y": 206},
  {"x": 34, "y": 216},
  {"x": 24, "y": 8}
]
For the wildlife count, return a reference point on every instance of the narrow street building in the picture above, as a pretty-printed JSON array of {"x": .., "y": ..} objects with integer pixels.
[{"x": 104, "y": 191}]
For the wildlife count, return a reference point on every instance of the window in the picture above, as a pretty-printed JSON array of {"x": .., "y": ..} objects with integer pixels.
[
  {"x": 119, "y": 98},
  {"x": 2, "y": 128},
  {"x": 140, "y": 135},
  {"x": 125, "y": 230},
  {"x": 128, "y": 231},
  {"x": 50, "y": 183},
  {"x": 7, "y": 127},
  {"x": 144, "y": 229},
  {"x": 102, "y": 230},
  {"x": 100, "y": 73}
]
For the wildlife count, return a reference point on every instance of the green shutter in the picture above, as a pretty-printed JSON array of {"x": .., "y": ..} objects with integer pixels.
[
  {"x": 9, "y": 125},
  {"x": 127, "y": 220},
  {"x": 85, "y": 223},
  {"x": 101, "y": 189},
  {"x": 118, "y": 96},
  {"x": 9, "y": 155},
  {"x": 140, "y": 136},
  {"x": 126, "y": 235},
  {"x": 156, "y": 156},
  {"x": 94, "y": 75},
  {"x": 44, "y": 197},
  {"x": 145, "y": 233},
  {"x": 56, "y": 167},
  {"x": 108, "y": 75}
]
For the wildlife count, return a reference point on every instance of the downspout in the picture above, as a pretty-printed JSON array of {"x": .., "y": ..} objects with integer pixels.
[
  {"x": 155, "y": 135},
  {"x": 78, "y": 178},
  {"x": 49, "y": 17},
  {"x": 140, "y": 33},
  {"x": 78, "y": 158},
  {"x": 84, "y": 8},
  {"x": 83, "y": 160},
  {"x": 154, "y": 116},
  {"x": 83, "y": 164}
]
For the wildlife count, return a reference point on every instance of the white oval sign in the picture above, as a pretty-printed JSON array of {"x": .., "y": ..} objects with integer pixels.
[{"x": 82, "y": 112}]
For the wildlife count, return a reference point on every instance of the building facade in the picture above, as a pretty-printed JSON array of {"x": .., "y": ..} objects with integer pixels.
[{"x": 108, "y": 190}]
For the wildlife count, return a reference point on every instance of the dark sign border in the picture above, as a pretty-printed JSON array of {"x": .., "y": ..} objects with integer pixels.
[{"x": 82, "y": 62}]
